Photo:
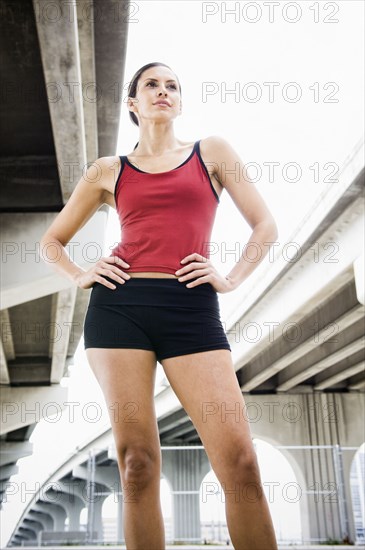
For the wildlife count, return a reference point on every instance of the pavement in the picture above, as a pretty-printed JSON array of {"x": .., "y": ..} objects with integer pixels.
[{"x": 207, "y": 546}]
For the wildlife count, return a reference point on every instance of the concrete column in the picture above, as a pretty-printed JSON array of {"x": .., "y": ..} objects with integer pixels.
[
  {"x": 185, "y": 469},
  {"x": 326, "y": 510},
  {"x": 32, "y": 524},
  {"x": 74, "y": 510},
  {"x": 347, "y": 458},
  {"x": 44, "y": 519},
  {"x": 318, "y": 495},
  {"x": 106, "y": 480},
  {"x": 69, "y": 496},
  {"x": 95, "y": 519},
  {"x": 120, "y": 530},
  {"x": 72, "y": 506},
  {"x": 98, "y": 519},
  {"x": 57, "y": 513},
  {"x": 27, "y": 534},
  {"x": 350, "y": 427},
  {"x": 41, "y": 510},
  {"x": 318, "y": 422}
]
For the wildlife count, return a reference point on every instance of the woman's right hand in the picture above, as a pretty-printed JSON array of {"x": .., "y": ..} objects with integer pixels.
[{"x": 105, "y": 266}]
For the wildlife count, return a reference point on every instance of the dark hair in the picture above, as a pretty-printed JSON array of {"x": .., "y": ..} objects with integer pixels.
[{"x": 132, "y": 88}]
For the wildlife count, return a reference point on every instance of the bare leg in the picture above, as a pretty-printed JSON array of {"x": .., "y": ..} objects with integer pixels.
[
  {"x": 127, "y": 377},
  {"x": 247, "y": 512},
  {"x": 205, "y": 380}
]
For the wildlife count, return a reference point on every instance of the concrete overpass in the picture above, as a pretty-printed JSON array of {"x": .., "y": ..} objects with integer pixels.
[{"x": 62, "y": 81}]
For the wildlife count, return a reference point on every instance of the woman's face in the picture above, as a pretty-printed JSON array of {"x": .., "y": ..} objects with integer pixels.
[{"x": 156, "y": 84}]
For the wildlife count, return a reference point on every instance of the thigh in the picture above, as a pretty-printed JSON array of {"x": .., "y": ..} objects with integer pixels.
[
  {"x": 127, "y": 380},
  {"x": 207, "y": 387}
]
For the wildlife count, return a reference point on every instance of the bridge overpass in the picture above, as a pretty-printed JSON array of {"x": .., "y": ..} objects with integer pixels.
[
  {"x": 297, "y": 335},
  {"x": 62, "y": 67}
]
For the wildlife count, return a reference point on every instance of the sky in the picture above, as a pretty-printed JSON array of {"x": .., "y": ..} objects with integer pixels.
[{"x": 298, "y": 74}]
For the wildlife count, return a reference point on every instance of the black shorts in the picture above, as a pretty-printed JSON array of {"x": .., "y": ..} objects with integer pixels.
[{"x": 157, "y": 314}]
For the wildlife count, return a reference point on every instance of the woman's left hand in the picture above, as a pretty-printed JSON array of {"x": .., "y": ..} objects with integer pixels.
[{"x": 202, "y": 267}]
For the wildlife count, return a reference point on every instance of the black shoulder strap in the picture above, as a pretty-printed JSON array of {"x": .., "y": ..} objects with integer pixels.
[
  {"x": 122, "y": 162},
  {"x": 205, "y": 169}
]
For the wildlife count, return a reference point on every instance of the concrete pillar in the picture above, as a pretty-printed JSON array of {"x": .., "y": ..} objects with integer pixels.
[
  {"x": 74, "y": 508},
  {"x": 27, "y": 534},
  {"x": 120, "y": 530},
  {"x": 106, "y": 480},
  {"x": 97, "y": 524},
  {"x": 318, "y": 495},
  {"x": 347, "y": 458},
  {"x": 95, "y": 505},
  {"x": 44, "y": 519},
  {"x": 351, "y": 430},
  {"x": 74, "y": 499},
  {"x": 41, "y": 509},
  {"x": 32, "y": 524},
  {"x": 326, "y": 426},
  {"x": 57, "y": 513},
  {"x": 185, "y": 469}
]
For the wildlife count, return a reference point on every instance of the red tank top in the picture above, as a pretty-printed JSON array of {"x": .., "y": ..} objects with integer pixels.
[{"x": 164, "y": 216}]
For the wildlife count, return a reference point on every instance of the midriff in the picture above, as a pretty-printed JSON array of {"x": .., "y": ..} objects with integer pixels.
[{"x": 156, "y": 274}]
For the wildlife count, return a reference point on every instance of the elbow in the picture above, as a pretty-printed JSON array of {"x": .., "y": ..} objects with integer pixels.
[
  {"x": 274, "y": 234},
  {"x": 43, "y": 243},
  {"x": 48, "y": 239},
  {"x": 44, "y": 240},
  {"x": 270, "y": 227},
  {"x": 274, "y": 231}
]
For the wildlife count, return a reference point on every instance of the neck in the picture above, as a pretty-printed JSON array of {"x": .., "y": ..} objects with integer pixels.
[{"x": 156, "y": 139}]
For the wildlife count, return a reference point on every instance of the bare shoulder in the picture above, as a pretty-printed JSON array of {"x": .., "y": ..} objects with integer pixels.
[
  {"x": 214, "y": 150},
  {"x": 213, "y": 143},
  {"x": 106, "y": 171},
  {"x": 227, "y": 164}
]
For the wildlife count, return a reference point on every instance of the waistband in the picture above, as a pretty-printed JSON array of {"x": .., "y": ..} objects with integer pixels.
[{"x": 162, "y": 292}]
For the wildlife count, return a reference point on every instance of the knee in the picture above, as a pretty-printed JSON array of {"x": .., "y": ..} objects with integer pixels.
[
  {"x": 139, "y": 465},
  {"x": 239, "y": 464},
  {"x": 248, "y": 468},
  {"x": 241, "y": 478}
]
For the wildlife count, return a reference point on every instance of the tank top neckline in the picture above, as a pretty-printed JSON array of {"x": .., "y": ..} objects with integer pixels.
[{"x": 168, "y": 171}]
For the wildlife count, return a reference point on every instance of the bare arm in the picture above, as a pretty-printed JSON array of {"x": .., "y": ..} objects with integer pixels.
[
  {"x": 230, "y": 170},
  {"x": 87, "y": 197}
]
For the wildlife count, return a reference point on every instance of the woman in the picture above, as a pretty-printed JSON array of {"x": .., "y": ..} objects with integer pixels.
[{"x": 155, "y": 298}]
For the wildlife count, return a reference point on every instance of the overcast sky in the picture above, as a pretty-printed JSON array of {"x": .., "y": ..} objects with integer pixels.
[{"x": 298, "y": 70}]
